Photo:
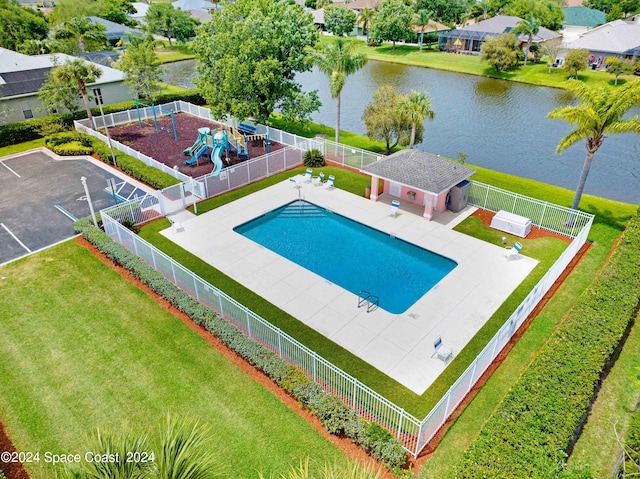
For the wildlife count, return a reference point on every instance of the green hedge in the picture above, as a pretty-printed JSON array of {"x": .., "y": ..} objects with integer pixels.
[
  {"x": 537, "y": 421},
  {"x": 334, "y": 414},
  {"x": 30, "y": 129}
]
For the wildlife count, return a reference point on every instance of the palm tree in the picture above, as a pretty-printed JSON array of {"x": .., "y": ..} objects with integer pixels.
[
  {"x": 422, "y": 20},
  {"x": 415, "y": 107},
  {"x": 83, "y": 30},
  {"x": 365, "y": 18},
  {"x": 351, "y": 471},
  {"x": 338, "y": 61},
  {"x": 529, "y": 27},
  {"x": 79, "y": 72},
  {"x": 600, "y": 112}
]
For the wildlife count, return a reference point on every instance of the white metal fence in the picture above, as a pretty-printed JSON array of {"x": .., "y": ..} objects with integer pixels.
[{"x": 413, "y": 433}]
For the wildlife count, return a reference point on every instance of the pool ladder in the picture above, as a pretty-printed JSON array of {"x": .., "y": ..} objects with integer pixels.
[{"x": 372, "y": 302}]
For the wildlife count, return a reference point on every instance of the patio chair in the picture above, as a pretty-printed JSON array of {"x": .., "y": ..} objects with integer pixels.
[
  {"x": 441, "y": 351},
  {"x": 307, "y": 175},
  {"x": 393, "y": 209},
  {"x": 294, "y": 183},
  {"x": 318, "y": 180},
  {"x": 329, "y": 183},
  {"x": 514, "y": 251}
]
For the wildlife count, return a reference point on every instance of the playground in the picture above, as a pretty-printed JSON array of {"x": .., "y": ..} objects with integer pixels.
[{"x": 160, "y": 143}]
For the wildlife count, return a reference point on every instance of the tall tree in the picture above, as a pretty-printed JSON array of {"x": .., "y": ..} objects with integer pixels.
[
  {"x": 618, "y": 66},
  {"x": 79, "y": 73},
  {"x": 170, "y": 22},
  {"x": 365, "y": 18},
  {"x": 337, "y": 61},
  {"x": 501, "y": 51},
  {"x": 19, "y": 24},
  {"x": 393, "y": 22},
  {"x": 82, "y": 32},
  {"x": 252, "y": 78},
  {"x": 421, "y": 20},
  {"x": 548, "y": 12},
  {"x": 528, "y": 27},
  {"x": 339, "y": 19},
  {"x": 575, "y": 61},
  {"x": 599, "y": 113},
  {"x": 58, "y": 96},
  {"x": 415, "y": 107},
  {"x": 141, "y": 67},
  {"x": 452, "y": 12}
]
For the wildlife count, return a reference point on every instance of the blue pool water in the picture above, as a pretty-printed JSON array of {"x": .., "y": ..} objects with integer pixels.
[{"x": 349, "y": 254}]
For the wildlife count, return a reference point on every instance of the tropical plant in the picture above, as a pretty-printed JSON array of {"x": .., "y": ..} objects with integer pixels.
[
  {"x": 339, "y": 19},
  {"x": 415, "y": 107},
  {"x": 422, "y": 20},
  {"x": 84, "y": 34},
  {"x": 528, "y": 27},
  {"x": 501, "y": 51},
  {"x": 19, "y": 24},
  {"x": 617, "y": 66},
  {"x": 313, "y": 158},
  {"x": 365, "y": 18},
  {"x": 77, "y": 73},
  {"x": 575, "y": 61},
  {"x": 337, "y": 61},
  {"x": 599, "y": 113},
  {"x": 351, "y": 470}
]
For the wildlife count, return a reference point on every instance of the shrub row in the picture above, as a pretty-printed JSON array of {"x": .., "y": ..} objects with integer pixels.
[
  {"x": 540, "y": 417},
  {"x": 28, "y": 130},
  {"x": 69, "y": 143},
  {"x": 334, "y": 414}
]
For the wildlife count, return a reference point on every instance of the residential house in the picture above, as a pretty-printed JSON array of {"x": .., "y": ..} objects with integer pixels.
[
  {"x": 115, "y": 32},
  {"x": 469, "y": 39},
  {"x": 21, "y": 76},
  {"x": 579, "y": 20},
  {"x": 620, "y": 38}
]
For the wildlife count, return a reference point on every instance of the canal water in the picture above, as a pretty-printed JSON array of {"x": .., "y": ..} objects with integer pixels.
[{"x": 500, "y": 125}]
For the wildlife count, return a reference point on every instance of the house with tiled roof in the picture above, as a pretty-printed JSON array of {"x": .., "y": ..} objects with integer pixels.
[
  {"x": 469, "y": 39},
  {"x": 21, "y": 76},
  {"x": 115, "y": 31},
  {"x": 579, "y": 20},
  {"x": 620, "y": 38}
]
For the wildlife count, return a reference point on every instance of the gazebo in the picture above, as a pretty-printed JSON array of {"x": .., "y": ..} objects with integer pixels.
[{"x": 417, "y": 177}]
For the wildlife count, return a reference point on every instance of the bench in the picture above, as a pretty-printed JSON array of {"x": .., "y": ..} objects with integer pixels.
[
  {"x": 247, "y": 129},
  {"x": 511, "y": 223}
]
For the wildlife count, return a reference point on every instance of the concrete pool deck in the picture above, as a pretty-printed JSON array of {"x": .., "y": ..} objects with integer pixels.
[{"x": 400, "y": 345}]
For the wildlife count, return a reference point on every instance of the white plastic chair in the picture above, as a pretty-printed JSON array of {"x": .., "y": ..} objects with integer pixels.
[
  {"x": 307, "y": 175},
  {"x": 514, "y": 251},
  {"x": 393, "y": 209},
  {"x": 319, "y": 179},
  {"x": 443, "y": 352},
  {"x": 330, "y": 181}
]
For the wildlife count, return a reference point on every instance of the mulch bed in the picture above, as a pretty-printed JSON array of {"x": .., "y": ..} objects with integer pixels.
[{"x": 163, "y": 147}]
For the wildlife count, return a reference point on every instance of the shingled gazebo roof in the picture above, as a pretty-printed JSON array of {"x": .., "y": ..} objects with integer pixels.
[{"x": 419, "y": 170}]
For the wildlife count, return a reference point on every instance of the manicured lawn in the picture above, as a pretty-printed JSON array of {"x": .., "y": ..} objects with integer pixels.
[
  {"x": 83, "y": 348},
  {"x": 180, "y": 51},
  {"x": 20, "y": 147}
]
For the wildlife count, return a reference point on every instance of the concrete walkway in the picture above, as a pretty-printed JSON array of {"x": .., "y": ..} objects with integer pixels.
[{"x": 400, "y": 345}]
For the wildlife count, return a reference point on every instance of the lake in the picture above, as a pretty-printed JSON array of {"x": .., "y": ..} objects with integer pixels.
[{"x": 500, "y": 125}]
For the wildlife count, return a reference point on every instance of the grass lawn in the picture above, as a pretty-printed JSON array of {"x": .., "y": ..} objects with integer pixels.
[
  {"x": 180, "y": 51},
  {"x": 20, "y": 147},
  {"x": 83, "y": 348}
]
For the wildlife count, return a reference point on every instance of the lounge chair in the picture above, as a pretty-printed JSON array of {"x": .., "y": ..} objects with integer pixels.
[
  {"x": 441, "y": 351},
  {"x": 294, "y": 183},
  {"x": 393, "y": 209},
  {"x": 307, "y": 175},
  {"x": 514, "y": 251},
  {"x": 319, "y": 179},
  {"x": 329, "y": 183}
]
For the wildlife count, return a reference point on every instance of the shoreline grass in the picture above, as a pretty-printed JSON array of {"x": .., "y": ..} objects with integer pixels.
[{"x": 74, "y": 358}]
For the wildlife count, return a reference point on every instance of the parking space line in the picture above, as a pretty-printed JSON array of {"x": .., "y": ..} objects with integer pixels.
[
  {"x": 10, "y": 169},
  {"x": 15, "y": 237}
]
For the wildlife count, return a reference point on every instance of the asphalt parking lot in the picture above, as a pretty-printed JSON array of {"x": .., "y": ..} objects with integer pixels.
[{"x": 40, "y": 196}]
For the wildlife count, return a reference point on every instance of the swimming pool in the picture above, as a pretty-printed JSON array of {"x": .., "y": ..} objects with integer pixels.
[{"x": 354, "y": 256}]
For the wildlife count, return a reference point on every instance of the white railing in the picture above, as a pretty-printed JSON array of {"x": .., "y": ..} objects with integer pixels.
[
  {"x": 413, "y": 433},
  {"x": 559, "y": 219}
]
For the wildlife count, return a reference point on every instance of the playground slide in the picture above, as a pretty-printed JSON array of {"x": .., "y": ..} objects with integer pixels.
[
  {"x": 197, "y": 154},
  {"x": 192, "y": 149},
  {"x": 216, "y": 157}
]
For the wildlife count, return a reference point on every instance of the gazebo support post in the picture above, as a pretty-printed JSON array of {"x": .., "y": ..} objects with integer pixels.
[
  {"x": 428, "y": 206},
  {"x": 374, "y": 188}
]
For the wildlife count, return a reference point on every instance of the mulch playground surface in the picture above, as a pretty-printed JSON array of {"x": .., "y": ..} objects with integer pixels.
[{"x": 163, "y": 147}]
